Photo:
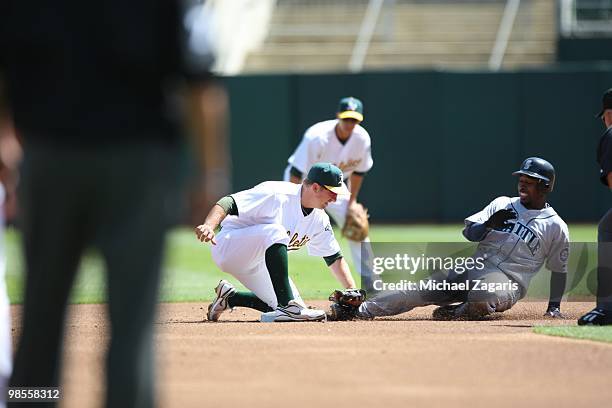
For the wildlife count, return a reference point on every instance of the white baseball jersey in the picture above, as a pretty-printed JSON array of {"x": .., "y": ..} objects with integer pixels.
[
  {"x": 279, "y": 202},
  {"x": 535, "y": 237},
  {"x": 320, "y": 144}
]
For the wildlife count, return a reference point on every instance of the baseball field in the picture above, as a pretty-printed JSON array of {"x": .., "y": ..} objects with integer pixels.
[{"x": 407, "y": 360}]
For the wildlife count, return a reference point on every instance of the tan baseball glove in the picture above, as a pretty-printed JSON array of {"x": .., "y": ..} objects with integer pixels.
[{"x": 356, "y": 227}]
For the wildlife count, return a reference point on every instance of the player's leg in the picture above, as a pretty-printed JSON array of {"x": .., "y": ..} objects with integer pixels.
[
  {"x": 361, "y": 251},
  {"x": 296, "y": 293},
  {"x": 604, "y": 263},
  {"x": 257, "y": 257},
  {"x": 394, "y": 302},
  {"x": 261, "y": 296},
  {"x": 602, "y": 314},
  {"x": 133, "y": 219},
  {"x": 55, "y": 229},
  {"x": 477, "y": 303},
  {"x": 283, "y": 289},
  {"x": 389, "y": 303},
  {"x": 252, "y": 301},
  {"x": 491, "y": 291}
]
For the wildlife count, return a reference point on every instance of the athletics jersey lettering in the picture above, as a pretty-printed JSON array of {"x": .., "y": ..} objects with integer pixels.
[
  {"x": 295, "y": 242},
  {"x": 349, "y": 165}
]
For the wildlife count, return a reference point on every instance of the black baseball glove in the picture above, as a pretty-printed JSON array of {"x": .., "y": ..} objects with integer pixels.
[
  {"x": 500, "y": 219},
  {"x": 348, "y": 297},
  {"x": 345, "y": 303}
]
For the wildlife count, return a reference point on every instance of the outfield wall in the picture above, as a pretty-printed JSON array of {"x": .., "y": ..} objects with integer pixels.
[{"x": 444, "y": 143}]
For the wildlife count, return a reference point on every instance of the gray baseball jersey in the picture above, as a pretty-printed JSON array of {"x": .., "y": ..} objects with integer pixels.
[{"x": 535, "y": 237}]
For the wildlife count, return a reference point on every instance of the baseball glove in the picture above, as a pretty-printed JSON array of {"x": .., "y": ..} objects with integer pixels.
[
  {"x": 348, "y": 297},
  {"x": 356, "y": 227}
]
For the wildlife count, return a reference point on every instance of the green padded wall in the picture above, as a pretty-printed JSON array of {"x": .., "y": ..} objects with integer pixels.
[{"x": 444, "y": 143}]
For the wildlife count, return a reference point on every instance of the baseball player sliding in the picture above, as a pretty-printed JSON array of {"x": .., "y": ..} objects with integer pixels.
[
  {"x": 516, "y": 237},
  {"x": 258, "y": 227},
  {"x": 346, "y": 144}
]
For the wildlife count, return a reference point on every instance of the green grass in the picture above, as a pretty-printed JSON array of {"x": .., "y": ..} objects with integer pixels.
[
  {"x": 596, "y": 333},
  {"x": 190, "y": 274}
]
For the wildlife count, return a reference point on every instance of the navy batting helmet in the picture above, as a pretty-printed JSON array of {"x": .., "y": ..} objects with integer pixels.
[{"x": 538, "y": 168}]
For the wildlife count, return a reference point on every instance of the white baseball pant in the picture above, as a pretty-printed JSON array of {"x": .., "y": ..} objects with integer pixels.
[{"x": 242, "y": 254}]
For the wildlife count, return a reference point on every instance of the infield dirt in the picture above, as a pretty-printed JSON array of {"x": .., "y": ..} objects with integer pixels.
[{"x": 407, "y": 360}]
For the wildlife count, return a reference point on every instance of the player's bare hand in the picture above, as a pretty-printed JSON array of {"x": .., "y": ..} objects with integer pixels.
[
  {"x": 554, "y": 312},
  {"x": 205, "y": 234},
  {"x": 500, "y": 219}
]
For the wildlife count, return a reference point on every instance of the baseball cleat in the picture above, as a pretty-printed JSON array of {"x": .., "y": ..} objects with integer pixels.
[
  {"x": 293, "y": 312},
  {"x": 223, "y": 290},
  {"x": 596, "y": 317},
  {"x": 338, "y": 312},
  {"x": 461, "y": 311},
  {"x": 450, "y": 312}
]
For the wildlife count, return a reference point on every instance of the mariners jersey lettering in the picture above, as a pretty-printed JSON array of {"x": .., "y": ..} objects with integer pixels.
[
  {"x": 279, "y": 202},
  {"x": 533, "y": 238},
  {"x": 320, "y": 144}
]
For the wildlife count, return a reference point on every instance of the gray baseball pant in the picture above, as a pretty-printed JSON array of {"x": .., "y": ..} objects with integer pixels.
[{"x": 481, "y": 302}]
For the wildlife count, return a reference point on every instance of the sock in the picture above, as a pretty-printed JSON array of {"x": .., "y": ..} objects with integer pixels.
[
  {"x": 248, "y": 299},
  {"x": 276, "y": 262}
]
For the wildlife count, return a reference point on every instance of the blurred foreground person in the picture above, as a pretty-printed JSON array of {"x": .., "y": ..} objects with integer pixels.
[
  {"x": 10, "y": 154},
  {"x": 92, "y": 96}
]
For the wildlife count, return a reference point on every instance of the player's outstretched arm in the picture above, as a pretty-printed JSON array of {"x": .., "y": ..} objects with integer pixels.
[
  {"x": 342, "y": 273},
  {"x": 475, "y": 231},
  {"x": 206, "y": 231},
  {"x": 224, "y": 207}
]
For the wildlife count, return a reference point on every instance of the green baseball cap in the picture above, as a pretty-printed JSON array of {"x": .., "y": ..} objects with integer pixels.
[
  {"x": 350, "y": 108},
  {"x": 329, "y": 176}
]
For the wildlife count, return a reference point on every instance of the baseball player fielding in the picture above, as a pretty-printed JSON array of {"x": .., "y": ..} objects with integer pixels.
[
  {"x": 346, "y": 144},
  {"x": 258, "y": 227}
]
